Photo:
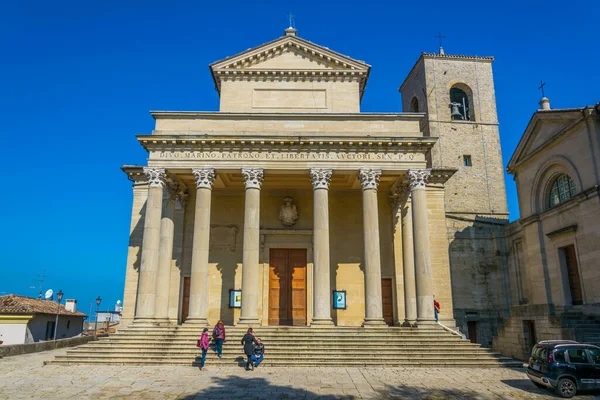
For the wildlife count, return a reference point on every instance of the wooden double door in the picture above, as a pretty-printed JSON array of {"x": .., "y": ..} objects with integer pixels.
[{"x": 287, "y": 287}]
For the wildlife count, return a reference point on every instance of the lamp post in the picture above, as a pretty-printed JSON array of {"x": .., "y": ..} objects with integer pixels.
[
  {"x": 98, "y": 301},
  {"x": 59, "y": 297}
]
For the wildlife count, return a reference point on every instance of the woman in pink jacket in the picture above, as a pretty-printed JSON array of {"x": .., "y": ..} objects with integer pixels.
[{"x": 204, "y": 343}]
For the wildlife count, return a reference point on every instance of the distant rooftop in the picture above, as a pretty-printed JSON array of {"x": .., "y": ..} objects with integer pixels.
[{"x": 14, "y": 304}]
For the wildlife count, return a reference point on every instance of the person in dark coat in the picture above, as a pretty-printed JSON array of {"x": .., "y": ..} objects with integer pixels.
[
  {"x": 259, "y": 352},
  {"x": 248, "y": 341},
  {"x": 219, "y": 337}
]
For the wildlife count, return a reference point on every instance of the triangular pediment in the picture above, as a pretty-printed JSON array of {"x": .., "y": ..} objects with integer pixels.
[
  {"x": 292, "y": 57},
  {"x": 290, "y": 52},
  {"x": 543, "y": 127}
]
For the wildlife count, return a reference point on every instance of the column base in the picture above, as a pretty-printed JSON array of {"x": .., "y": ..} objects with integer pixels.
[
  {"x": 409, "y": 324},
  {"x": 249, "y": 322},
  {"x": 196, "y": 321},
  {"x": 322, "y": 323},
  {"x": 148, "y": 322},
  {"x": 374, "y": 323},
  {"x": 426, "y": 323}
]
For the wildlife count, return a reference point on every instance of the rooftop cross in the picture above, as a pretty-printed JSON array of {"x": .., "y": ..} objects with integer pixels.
[
  {"x": 542, "y": 84},
  {"x": 291, "y": 18},
  {"x": 440, "y": 36}
]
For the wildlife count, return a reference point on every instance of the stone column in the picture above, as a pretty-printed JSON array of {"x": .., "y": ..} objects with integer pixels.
[
  {"x": 369, "y": 179},
  {"x": 397, "y": 197},
  {"x": 408, "y": 253},
  {"x": 423, "y": 274},
  {"x": 320, "y": 179},
  {"x": 146, "y": 293},
  {"x": 198, "y": 309},
  {"x": 253, "y": 178},
  {"x": 165, "y": 254}
]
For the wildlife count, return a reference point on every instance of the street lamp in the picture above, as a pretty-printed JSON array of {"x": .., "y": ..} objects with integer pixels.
[
  {"x": 98, "y": 301},
  {"x": 59, "y": 297}
]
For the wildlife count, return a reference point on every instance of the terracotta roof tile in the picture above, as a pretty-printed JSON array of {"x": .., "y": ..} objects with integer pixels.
[{"x": 14, "y": 304}]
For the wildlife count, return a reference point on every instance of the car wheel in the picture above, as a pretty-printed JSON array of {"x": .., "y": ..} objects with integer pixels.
[
  {"x": 566, "y": 388},
  {"x": 539, "y": 385}
]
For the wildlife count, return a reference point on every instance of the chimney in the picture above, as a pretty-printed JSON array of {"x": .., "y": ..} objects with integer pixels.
[
  {"x": 545, "y": 103},
  {"x": 71, "y": 305}
]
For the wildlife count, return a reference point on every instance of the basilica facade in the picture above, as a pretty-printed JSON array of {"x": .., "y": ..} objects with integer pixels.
[{"x": 289, "y": 206}]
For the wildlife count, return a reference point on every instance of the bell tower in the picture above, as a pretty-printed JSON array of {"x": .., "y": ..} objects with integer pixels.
[{"x": 456, "y": 93}]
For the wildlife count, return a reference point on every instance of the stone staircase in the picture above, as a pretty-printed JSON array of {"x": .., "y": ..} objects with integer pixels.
[
  {"x": 586, "y": 328},
  {"x": 291, "y": 346}
]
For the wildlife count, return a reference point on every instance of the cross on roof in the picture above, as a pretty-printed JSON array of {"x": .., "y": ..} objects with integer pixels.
[
  {"x": 440, "y": 36},
  {"x": 542, "y": 84},
  {"x": 291, "y": 18}
]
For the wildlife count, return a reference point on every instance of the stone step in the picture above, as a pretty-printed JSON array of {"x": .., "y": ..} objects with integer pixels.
[
  {"x": 288, "y": 352},
  {"x": 342, "y": 358},
  {"x": 283, "y": 342},
  {"x": 290, "y": 346},
  {"x": 307, "y": 363},
  {"x": 294, "y": 335},
  {"x": 285, "y": 346}
]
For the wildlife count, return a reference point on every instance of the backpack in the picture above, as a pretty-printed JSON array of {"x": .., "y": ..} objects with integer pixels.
[{"x": 216, "y": 332}]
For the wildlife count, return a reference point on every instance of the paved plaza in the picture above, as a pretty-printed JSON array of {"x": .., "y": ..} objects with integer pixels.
[{"x": 26, "y": 377}]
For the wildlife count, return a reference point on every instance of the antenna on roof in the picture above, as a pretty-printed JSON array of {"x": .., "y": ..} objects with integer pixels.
[{"x": 41, "y": 281}]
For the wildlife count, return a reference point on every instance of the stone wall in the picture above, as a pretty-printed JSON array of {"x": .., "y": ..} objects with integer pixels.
[
  {"x": 16, "y": 349},
  {"x": 513, "y": 339}
]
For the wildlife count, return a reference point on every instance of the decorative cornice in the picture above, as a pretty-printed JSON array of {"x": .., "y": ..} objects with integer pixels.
[
  {"x": 562, "y": 231},
  {"x": 458, "y": 56},
  {"x": 320, "y": 178},
  {"x": 253, "y": 177},
  {"x": 417, "y": 178},
  {"x": 369, "y": 178},
  {"x": 204, "y": 177},
  {"x": 156, "y": 176},
  {"x": 371, "y": 143}
]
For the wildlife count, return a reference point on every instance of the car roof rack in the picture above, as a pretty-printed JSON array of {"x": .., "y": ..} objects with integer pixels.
[{"x": 558, "y": 341}]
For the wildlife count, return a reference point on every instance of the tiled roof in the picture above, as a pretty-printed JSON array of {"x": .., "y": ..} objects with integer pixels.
[{"x": 13, "y": 304}]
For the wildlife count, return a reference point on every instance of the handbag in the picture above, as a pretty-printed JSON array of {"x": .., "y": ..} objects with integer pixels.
[{"x": 199, "y": 343}]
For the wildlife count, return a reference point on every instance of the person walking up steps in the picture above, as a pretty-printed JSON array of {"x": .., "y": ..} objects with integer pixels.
[
  {"x": 259, "y": 352},
  {"x": 436, "y": 309},
  {"x": 204, "y": 344},
  {"x": 219, "y": 337},
  {"x": 248, "y": 342}
]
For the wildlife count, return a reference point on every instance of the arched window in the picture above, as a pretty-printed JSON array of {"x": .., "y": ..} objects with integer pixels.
[
  {"x": 562, "y": 190},
  {"x": 414, "y": 105},
  {"x": 459, "y": 105}
]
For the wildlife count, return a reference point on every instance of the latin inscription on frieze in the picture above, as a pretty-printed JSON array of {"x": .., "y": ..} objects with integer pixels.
[{"x": 269, "y": 155}]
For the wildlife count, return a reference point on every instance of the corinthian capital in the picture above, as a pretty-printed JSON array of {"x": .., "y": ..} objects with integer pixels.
[
  {"x": 156, "y": 176},
  {"x": 204, "y": 177},
  {"x": 417, "y": 178},
  {"x": 369, "y": 178},
  {"x": 253, "y": 177},
  {"x": 320, "y": 178}
]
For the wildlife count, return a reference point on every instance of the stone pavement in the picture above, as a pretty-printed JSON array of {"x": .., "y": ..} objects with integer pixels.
[{"x": 26, "y": 377}]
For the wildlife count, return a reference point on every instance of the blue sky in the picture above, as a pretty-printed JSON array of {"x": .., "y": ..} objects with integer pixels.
[{"x": 77, "y": 80}]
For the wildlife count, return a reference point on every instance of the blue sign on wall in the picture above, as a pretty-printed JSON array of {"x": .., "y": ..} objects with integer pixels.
[{"x": 339, "y": 299}]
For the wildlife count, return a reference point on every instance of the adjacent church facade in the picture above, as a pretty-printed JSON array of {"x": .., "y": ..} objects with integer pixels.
[{"x": 289, "y": 195}]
